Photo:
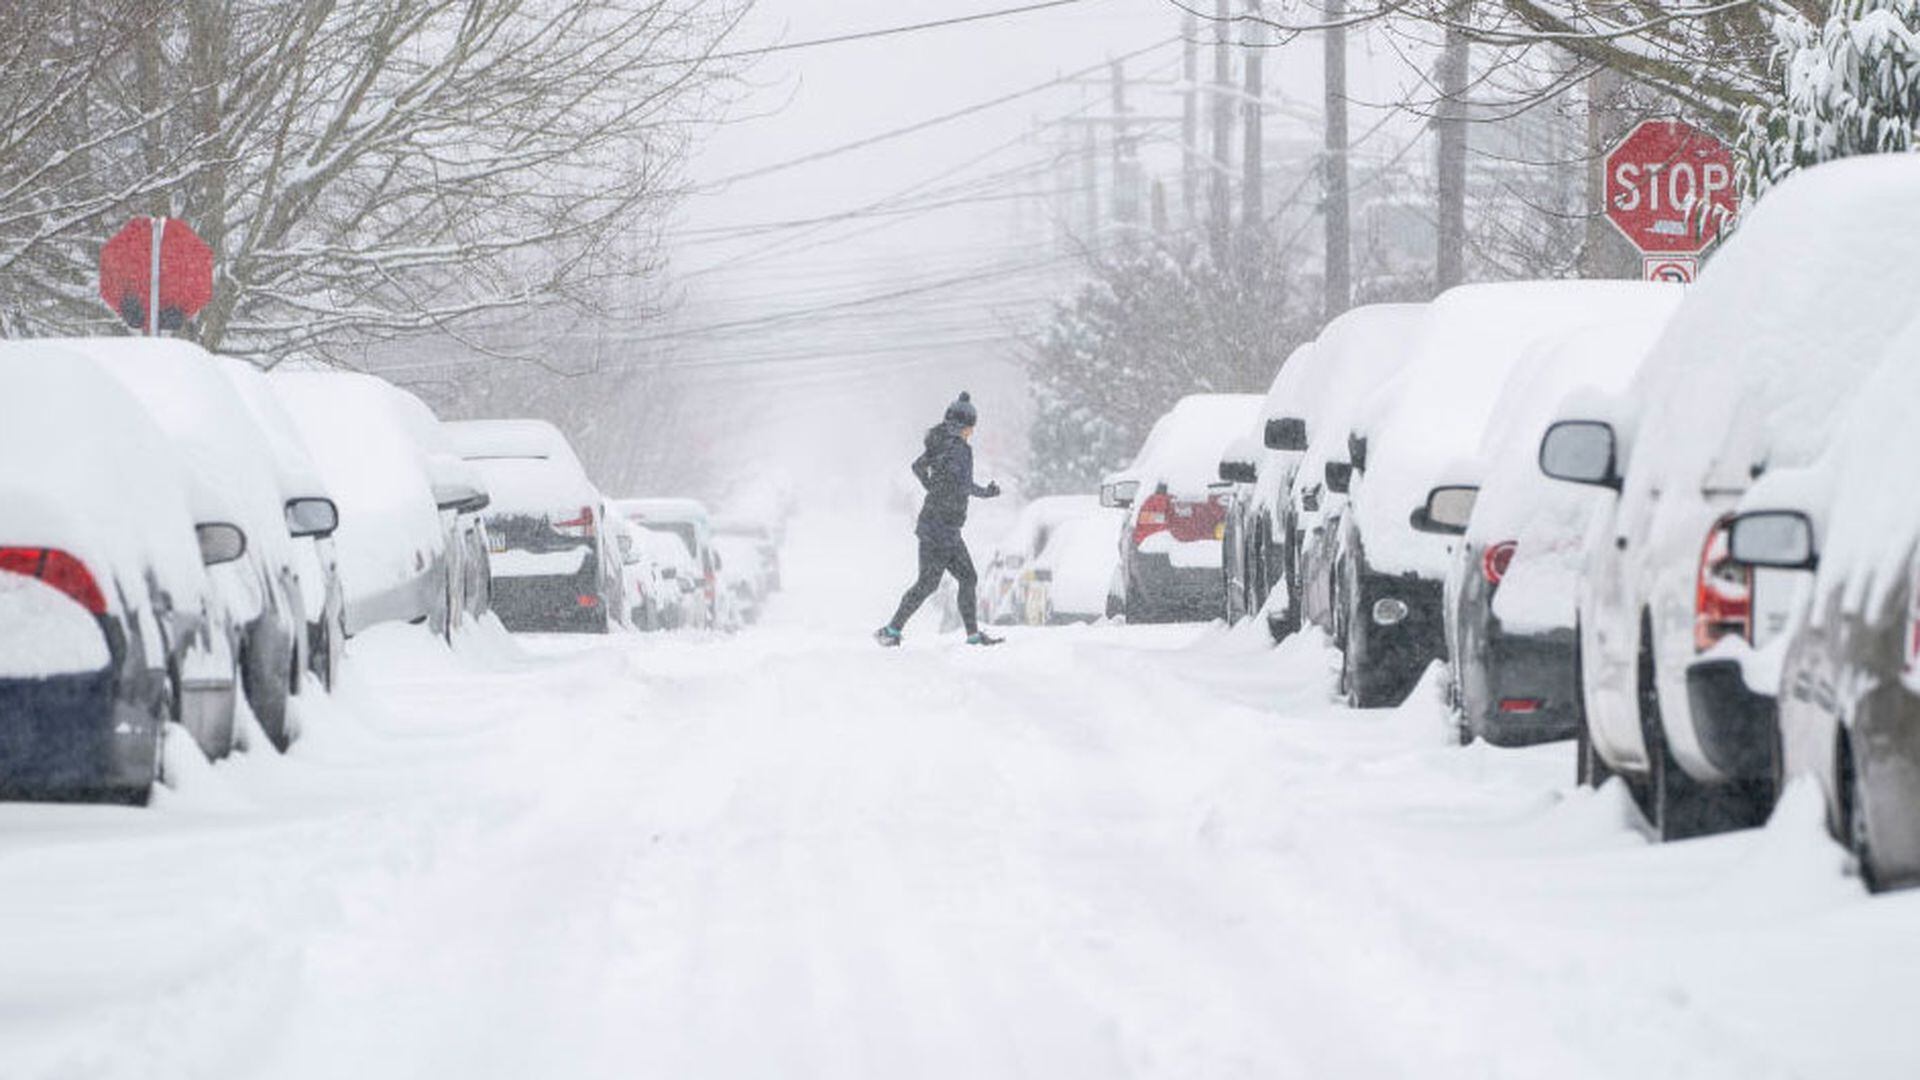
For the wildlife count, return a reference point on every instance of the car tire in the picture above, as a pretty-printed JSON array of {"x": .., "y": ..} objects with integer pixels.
[{"x": 1850, "y": 787}]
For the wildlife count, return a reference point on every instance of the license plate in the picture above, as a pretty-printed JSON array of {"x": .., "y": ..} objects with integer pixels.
[{"x": 497, "y": 545}]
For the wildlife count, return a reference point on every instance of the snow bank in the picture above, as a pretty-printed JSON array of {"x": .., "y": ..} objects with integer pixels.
[
  {"x": 1184, "y": 448},
  {"x": 1438, "y": 409},
  {"x": 119, "y": 504}
]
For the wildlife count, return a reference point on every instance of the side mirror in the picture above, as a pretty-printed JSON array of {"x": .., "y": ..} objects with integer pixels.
[
  {"x": 1448, "y": 510},
  {"x": 1310, "y": 498},
  {"x": 1339, "y": 477},
  {"x": 1774, "y": 539},
  {"x": 1119, "y": 496},
  {"x": 313, "y": 517},
  {"x": 1581, "y": 452},
  {"x": 669, "y": 573},
  {"x": 471, "y": 503},
  {"x": 1239, "y": 472},
  {"x": 220, "y": 542},
  {"x": 1357, "y": 452},
  {"x": 1287, "y": 433}
]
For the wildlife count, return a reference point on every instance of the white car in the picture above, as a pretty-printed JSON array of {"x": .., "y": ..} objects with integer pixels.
[
  {"x": 184, "y": 390},
  {"x": 1752, "y": 376},
  {"x": 395, "y": 565},
  {"x": 1260, "y": 467},
  {"x": 1170, "y": 546},
  {"x": 1388, "y": 585},
  {"x": 1071, "y": 572},
  {"x": 689, "y": 520},
  {"x": 110, "y": 627}
]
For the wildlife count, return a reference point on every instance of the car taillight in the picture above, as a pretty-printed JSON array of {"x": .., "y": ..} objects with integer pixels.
[
  {"x": 1723, "y": 593},
  {"x": 587, "y": 600},
  {"x": 1155, "y": 515},
  {"x": 1495, "y": 560},
  {"x": 58, "y": 569},
  {"x": 1913, "y": 620},
  {"x": 580, "y": 525}
]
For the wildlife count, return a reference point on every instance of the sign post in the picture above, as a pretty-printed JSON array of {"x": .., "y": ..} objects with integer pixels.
[
  {"x": 156, "y": 273},
  {"x": 1669, "y": 190}
]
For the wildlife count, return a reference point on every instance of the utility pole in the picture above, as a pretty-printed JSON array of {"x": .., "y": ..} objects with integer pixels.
[
  {"x": 1190, "y": 120},
  {"x": 1125, "y": 198},
  {"x": 1605, "y": 254},
  {"x": 1339, "y": 206},
  {"x": 1220, "y": 208},
  {"x": 1090, "y": 179},
  {"x": 1253, "y": 179},
  {"x": 1451, "y": 163}
]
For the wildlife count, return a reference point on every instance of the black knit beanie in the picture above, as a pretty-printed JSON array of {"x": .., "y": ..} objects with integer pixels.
[{"x": 962, "y": 411}]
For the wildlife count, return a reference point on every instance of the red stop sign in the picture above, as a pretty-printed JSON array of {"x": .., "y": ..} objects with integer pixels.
[
  {"x": 185, "y": 271},
  {"x": 1670, "y": 187}
]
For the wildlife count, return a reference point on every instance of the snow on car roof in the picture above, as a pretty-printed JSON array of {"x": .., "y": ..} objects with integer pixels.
[
  {"x": 528, "y": 465},
  {"x": 184, "y": 391},
  {"x": 1183, "y": 449},
  {"x": 1601, "y": 356},
  {"x": 121, "y": 504},
  {"x": 292, "y": 460},
  {"x": 1786, "y": 323},
  {"x": 664, "y": 509},
  {"x": 515, "y": 438},
  {"x": 1436, "y": 412},
  {"x": 1042, "y": 514},
  {"x": 375, "y": 470},
  {"x": 1362, "y": 350}
]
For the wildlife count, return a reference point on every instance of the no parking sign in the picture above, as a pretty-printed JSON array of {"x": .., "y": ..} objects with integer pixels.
[{"x": 1673, "y": 269}]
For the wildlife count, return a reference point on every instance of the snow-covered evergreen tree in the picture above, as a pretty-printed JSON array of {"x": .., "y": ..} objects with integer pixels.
[{"x": 1851, "y": 86}]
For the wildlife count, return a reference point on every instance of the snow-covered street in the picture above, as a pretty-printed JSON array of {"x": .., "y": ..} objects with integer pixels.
[{"x": 1091, "y": 852}]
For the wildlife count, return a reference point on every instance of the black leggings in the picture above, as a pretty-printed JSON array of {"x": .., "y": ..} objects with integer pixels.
[{"x": 937, "y": 557}]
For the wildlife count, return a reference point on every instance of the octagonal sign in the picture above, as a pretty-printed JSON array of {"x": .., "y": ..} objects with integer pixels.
[{"x": 1670, "y": 187}]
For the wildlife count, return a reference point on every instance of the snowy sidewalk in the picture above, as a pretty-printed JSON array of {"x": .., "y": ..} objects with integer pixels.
[{"x": 1089, "y": 853}]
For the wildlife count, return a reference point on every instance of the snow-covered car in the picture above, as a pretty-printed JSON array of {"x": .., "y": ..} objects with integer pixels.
[
  {"x": 1362, "y": 351},
  {"x": 554, "y": 565},
  {"x": 1849, "y": 687},
  {"x": 1510, "y": 591},
  {"x": 1007, "y": 581},
  {"x": 643, "y": 589},
  {"x": 681, "y": 600},
  {"x": 109, "y": 625},
  {"x": 1258, "y": 466},
  {"x": 312, "y": 519},
  {"x": 1072, "y": 570},
  {"x": 231, "y": 457},
  {"x": 1678, "y": 642},
  {"x": 739, "y": 565},
  {"x": 394, "y": 495},
  {"x": 1170, "y": 546},
  {"x": 764, "y": 537},
  {"x": 1388, "y": 585},
  {"x": 689, "y": 520}
]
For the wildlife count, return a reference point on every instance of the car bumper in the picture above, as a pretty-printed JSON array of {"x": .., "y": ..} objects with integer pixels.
[
  {"x": 74, "y": 736},
  {"x": 1736, "y": 727},
  {"x": 548, "y": 605},
  {"x": 1520, "y": 689},
  {"x": 1168, "y": 593}
]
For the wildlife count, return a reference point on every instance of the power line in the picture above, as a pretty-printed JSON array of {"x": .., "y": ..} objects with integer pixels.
[
  {"x": 931, "y": 122},
  {"x": 868, "y": 35}
]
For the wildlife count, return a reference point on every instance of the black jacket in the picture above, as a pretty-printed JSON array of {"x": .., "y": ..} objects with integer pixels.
[{"x": 945, "y": 469}]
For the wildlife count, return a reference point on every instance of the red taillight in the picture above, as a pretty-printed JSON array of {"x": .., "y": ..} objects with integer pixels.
[
  {"x": 582, "y": 525},
  {"x": 58, "y": 569},
  {"x": 587, "y": 600},
  {"x": 1723, "y": 592},
  {"x": 1495, "y": 560},
  {"x": 1154, "y": 516},
  {"x": 1519, "y": 706}
]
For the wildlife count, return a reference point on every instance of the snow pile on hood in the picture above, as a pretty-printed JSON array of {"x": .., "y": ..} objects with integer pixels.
[
  {"x": 529, "y": 467},
  {"x": 1786, "y": 324},
  {"x": 185, "y": 392},
  {"x": 1362, "y": 351},
  {"x": 84, "y": 469},
  {"x": 1080, "y": 556},
  {"x": 1184, "y": 448},
  {"x": 1547, "y": 518},
  {"x": 1437, "y": 412},
  {"x": 389, "y": 524}
]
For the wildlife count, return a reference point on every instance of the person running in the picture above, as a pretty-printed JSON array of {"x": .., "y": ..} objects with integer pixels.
[{"x": 945, "y": 469}]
